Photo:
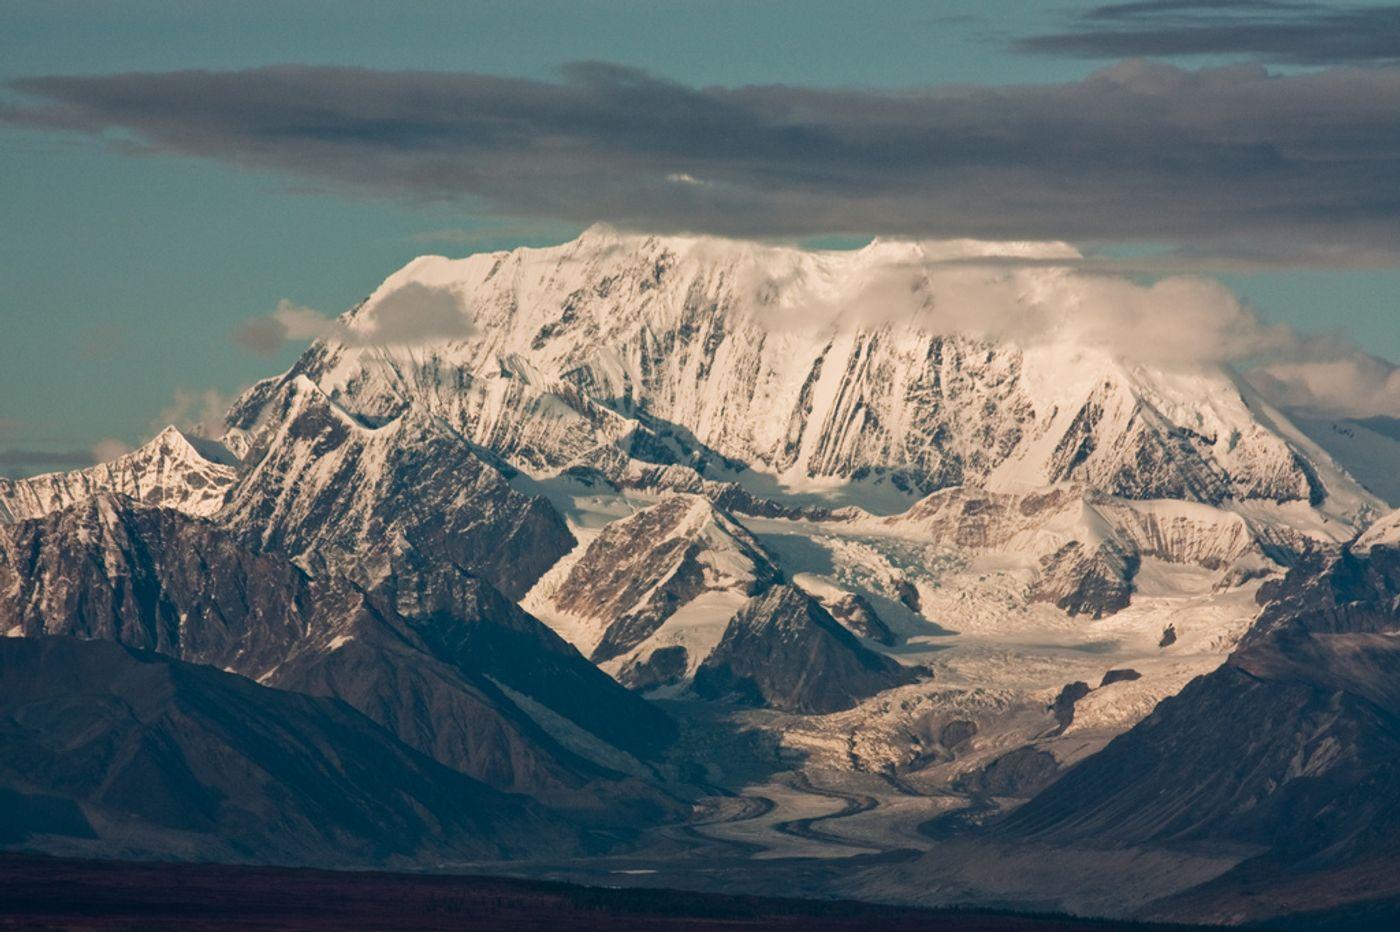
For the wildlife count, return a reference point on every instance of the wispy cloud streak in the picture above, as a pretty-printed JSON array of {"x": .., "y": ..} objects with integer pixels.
[{"x": 1277, "y": 31}]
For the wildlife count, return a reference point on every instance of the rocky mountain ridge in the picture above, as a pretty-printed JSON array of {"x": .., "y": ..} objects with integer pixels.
[{"x": 156, "y": 579}]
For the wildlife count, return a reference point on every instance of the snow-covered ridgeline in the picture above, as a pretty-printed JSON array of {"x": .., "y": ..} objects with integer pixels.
[
  {"x": 807, "y": 368},
  {"x": 168, "y": 471}
]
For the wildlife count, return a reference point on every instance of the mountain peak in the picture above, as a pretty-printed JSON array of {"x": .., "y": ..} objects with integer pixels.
[
  {"x": 172, "y": 470},
  {"x": 173, "y": 442}
]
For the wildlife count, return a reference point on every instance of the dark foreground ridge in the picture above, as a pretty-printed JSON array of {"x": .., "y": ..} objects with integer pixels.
[{"x": 52, "y": 893}]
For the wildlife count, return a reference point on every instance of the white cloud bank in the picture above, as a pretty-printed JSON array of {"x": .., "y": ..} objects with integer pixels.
[
  {"x": 1038, "y": 294},
  {"x": 408, "y": 316},
  {"x": 1354, "y": 385}
]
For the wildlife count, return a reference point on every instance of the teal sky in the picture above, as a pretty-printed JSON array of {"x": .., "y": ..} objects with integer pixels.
[{"x": 123, "y": 276}]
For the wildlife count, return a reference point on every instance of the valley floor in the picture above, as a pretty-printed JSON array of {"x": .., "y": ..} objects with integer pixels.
[
  {"x": 45, "y": 893},
  {"x": 862, "y": 802}
]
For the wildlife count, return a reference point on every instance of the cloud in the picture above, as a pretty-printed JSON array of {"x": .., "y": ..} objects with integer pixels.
[
  {"x": 196, "y": 412},
  {"x": 1217, "y": 162},
  {"x": 108, "y": 449},
  {"x": 1028, "y": 294},
  {"x": 1355, "y": 385},
  {"x": 406, "y": 316},
  {"x": 290, "y": 322},
  {"x": 1278, "y": 31},
  {"x": 1047, "y": 295},
  {"x": 409, "y": 315}
]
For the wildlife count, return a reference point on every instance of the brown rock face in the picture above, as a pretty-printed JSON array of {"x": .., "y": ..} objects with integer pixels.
[
  {"x": 641, "y": 569},
  {"x": 784, "y": 650}
]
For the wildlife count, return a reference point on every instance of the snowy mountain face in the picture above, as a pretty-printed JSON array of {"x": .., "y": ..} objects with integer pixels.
[
  {"x": 769, "y": 382},
  {"x": 640, "y": 570},
  {"x": 681, "y": 594},
  {"x": 352, "y": 500},
  {"x": 1385, "y": 532},
  {"x": 767, "y": 361},
  {"x": 1089, "y": 547}
]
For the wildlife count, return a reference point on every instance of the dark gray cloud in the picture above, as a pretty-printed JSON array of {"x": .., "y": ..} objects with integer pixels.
[
  {"x": 1206, "y": 160},
  {"x": 24, "y": 462},
  {"x": 25, "y": 450},
  {"x": 1270, "y": 30}
]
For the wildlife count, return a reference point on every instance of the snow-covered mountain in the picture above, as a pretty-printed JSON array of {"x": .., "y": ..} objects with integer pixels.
[
  {"x": 630, "y": 580},
  {"x": 348, "y": 499},
  {"x": 860, "y": 555},
  {"x": 646, "y": 434},
  {"x": 173, "y": 470},
  {"x": 1384, "y": 532},
  {"x": 1088, "y": 547},
  {"x": 778, "y": 367},
  {"x": 681, "y": 594}
]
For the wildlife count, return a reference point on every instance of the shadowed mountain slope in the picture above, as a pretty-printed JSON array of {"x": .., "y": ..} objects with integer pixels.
[{"x": 122, "y": 750}]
